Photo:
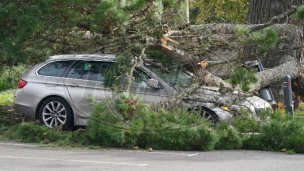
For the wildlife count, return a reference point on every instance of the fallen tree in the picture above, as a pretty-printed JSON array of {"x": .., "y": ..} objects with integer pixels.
[
  {"x": 221, "y": 47},
  {"x": 218, "y": 42}
]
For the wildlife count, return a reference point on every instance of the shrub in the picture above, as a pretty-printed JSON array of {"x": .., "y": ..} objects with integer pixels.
[
  {"x": 177, "y": 130},
  {"x": 229, "y": 137},
  {"x": 9, "y": 117},
  {"x": 79, "y": 137},
  {"x": 32, "y": 132},
  {"x": 282, "y": 131},
  {"x": 130, "y": 123},
  {"x": 247, "y": 124},
  {"x": 10, "y": 76},
  {"x": 117, "y": 122}
]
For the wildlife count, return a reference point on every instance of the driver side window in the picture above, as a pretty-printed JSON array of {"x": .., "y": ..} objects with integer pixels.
[{"x": 140, "y": 78}]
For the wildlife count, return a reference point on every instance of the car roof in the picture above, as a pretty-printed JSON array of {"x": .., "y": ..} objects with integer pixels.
[{"x": 93, "y": 57}]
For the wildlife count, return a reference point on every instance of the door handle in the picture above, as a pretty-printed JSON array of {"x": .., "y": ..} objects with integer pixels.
[{"x": 73, "y": 85}]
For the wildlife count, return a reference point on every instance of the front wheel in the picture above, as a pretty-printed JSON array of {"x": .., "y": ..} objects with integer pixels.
[
  {"x": 205, "y": 112},
  {"x": 56, "y": 112}
]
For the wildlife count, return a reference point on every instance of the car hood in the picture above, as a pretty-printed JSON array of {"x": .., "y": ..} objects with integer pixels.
[{"x": 235, "y": 101}]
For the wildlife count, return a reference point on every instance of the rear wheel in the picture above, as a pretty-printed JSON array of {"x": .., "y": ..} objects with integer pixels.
[
  {"x": 207, "y": 113},
  {"x": 56, "y": 112}
]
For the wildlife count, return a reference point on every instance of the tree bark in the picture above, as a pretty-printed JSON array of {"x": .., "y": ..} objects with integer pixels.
[
  {"x": 218, "y": 43},
  {"x": 262, "y": 11}
]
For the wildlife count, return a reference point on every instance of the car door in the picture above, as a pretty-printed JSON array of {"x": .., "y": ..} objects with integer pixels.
[
  {"x": 146, "y": 93},
  {"x": 86, "y": 79}
]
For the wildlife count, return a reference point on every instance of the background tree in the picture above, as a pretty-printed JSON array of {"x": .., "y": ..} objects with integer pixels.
[
  {"x": 219, "y": 11},
  {"x": 35, "y": 29}
]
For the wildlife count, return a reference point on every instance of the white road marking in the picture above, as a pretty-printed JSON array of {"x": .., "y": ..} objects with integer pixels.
[
  {"x": 80, "y": 161},
  {"x": 180, "y": 154}
]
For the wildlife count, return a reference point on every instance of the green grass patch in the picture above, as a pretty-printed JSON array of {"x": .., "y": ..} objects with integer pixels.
[
  {"x": 290, "y": 152},
  {"x": 299, "y": 113},
  {"x": 7, "y": 96}
]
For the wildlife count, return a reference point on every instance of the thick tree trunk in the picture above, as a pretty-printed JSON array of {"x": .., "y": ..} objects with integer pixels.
[{"x": 262, "y": 11}]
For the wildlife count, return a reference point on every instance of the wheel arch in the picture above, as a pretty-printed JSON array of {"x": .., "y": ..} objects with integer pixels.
[
  {"x": 207, "y": 109},
  {"x": 47, "y": 97}
]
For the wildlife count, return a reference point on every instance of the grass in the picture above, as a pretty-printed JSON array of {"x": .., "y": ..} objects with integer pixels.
[
  {"x": 7, "y": 97},
  {"x": 299, "y": 112}
]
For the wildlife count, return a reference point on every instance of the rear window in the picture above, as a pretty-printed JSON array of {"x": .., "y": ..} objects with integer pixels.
[{"x": 54, "y": 69}]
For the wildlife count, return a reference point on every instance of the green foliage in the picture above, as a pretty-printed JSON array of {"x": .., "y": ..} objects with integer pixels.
[
  {"x": 107, "y": 16},
  {"x": 25, "y": 21},
  {"x": 227, "y": 11},
  {"x": 177, "y": 130},
  {"x": 32, "y": 132},
  {"x": 3, "y": 128},
  {"x": 128, "y": 124},
  {"x": 243, "y": 78},
  {"x": 246, "y": 123},
  {"x": 229, "y": 137},
  {"x": 299, "y": 13},
  {"x": 118, "y": 126},
  {"x": 115, "y": 77},
  {"x": 165, "y": 60},
  {"x": 265, "y": 40},
  {"x": 7, "y": 97},
  {"x": 290, "y": 152},
  {"x": 79, "y": 137},
  {"x": 9, "y": 76},
  {"x": 8, "y": 116},
  {"x": 282, "y": 131},
  {"x": 241, "y": 33}
]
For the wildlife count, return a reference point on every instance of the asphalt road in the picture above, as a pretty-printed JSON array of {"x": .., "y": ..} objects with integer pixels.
[{"x": 33, "y": 157}]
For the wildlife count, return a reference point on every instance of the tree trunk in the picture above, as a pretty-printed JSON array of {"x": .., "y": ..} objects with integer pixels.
[
  {"x": 261, "y": 11},
  {"x": 218, "y": 43}
]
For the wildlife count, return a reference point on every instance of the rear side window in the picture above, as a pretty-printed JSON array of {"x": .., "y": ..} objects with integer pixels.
[
  {"x": 89, "y": 70},
  {"x": 54, "y": 69}
]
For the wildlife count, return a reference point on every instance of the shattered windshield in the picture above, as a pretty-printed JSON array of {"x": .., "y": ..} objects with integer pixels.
[{"x": 174, "y": 77}]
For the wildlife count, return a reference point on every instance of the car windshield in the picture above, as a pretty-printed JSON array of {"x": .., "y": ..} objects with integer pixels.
[{"x": 175, "y": 77}]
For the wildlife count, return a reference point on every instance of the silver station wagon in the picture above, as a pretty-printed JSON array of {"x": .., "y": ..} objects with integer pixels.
[{"x": 56, "y": 91}]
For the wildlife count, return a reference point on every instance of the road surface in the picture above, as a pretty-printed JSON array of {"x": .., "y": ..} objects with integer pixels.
[{"x": 33, "y": 157}]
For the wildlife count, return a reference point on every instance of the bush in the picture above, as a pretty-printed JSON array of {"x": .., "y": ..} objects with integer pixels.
[
  {"x": 282, "y": 131},
  {"x": 229, "y": 137},
  {"x": 131, "y": 123},
  {"x": 119, "y": 126},
  {"x": 177, "y": 130},
  {"x": 32, "y": 132},
  {"x": 9, "y": 117},
  {"x": 10, "y": 76}
]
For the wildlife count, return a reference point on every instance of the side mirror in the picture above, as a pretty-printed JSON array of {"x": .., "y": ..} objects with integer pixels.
[{"x": 152, "y": 83}]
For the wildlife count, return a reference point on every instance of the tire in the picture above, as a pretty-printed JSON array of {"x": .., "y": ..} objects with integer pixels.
[
  {"x": 56, "y": 112},
  {"x": 207, "y": 113}
]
